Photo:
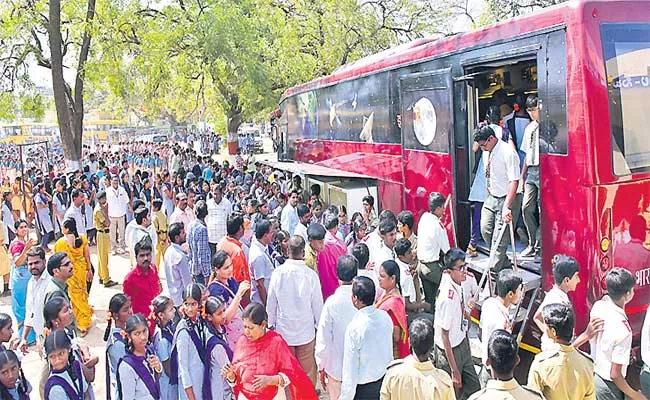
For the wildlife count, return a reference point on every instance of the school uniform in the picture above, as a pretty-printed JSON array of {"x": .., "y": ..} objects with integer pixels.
[
  {"x": 554, "y": 296},
  {"x": 115, "y": 350},
  {"x": 60, "y": 386},
  {"x": 611, "y": 346},
  {"x": 19, "y": 392},
  {"x": 162, "y": 342},
  {"x": 220, "y": 355},
  {"x": 450, "y": 316},
  {"x": 563, "y": 373},
  {"x": 506, "y": 390},
  {"x": 190, "y": 344},
  {"x": 494, "y": 315},
  {"x": 136, "y": 379}
]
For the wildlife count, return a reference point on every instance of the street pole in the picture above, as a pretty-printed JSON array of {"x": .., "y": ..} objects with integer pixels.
[{"x": 22, "y": 178}]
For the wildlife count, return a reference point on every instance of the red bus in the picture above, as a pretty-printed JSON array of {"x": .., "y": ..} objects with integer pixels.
[{"x": 405, "y": 117}]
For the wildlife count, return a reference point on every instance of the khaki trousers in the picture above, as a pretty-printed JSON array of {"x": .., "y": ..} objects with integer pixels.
[
  {"x": 103, "y": 247},
  {"x": 305, "y": 355}
]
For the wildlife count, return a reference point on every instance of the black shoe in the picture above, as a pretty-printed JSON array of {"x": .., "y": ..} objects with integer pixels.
[
  {"x": 6, "y": 293},
  {"x": 110, "y": 283}
]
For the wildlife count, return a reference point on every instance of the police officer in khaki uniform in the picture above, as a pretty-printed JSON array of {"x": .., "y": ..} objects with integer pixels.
[
  {"x": 563, "y": 372},
  {"x": 502, "y": 359}
]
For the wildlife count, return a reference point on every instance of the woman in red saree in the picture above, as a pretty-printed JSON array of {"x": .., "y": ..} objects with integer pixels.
[
  {"x": 393, "y": 303},
  {"x": 263, "y": 365}
]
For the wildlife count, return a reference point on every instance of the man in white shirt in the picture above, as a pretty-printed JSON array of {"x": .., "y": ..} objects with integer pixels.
[
  {"x": 530, "y": 178},
  {"x": 260, "y": 262},
  {"x": 35, "y": 294},
  {"x": 502, "y": 204},
  {"x": 384, "y": 250},
  {"x": 76, "y": 210},
  {"x": 182, "y": 213},
  {"x": 118, "y": 203},
  {"x": 294, "y": 305},
  {"x": 289, "y": 216},
  {"x": 495, "y": 314},
  {"x": 338, "y": 311},
  {"x": 304, "y": 218},
  {"x": 219, "y": 208},
  {"x": 432, "y": 242},
  {"x": 451, "y": 323},
  {"x": 610, "y": 349},
  {"x": 177, "y": 264},
  {"x": 368, "y": 345}
]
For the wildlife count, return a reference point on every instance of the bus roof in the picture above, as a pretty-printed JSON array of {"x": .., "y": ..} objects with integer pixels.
[{"x": 423, "y": 49}]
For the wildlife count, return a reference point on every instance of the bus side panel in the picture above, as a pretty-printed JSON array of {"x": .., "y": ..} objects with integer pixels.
[
  {"x": 390, "y": 196},
  {"x": 567, "y": 225},
  {"x": 629, "y": 207},
  {"x": 426, "y": 172},
  {"x": 381, "y": 161}
]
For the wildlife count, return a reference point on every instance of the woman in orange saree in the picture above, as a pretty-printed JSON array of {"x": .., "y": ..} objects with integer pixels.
[{"x": 393, "y": 303}]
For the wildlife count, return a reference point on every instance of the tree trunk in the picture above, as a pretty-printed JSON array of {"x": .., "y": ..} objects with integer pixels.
[
  {"x": 69, "y": 105},
  {"x": 234, "y": 116}
]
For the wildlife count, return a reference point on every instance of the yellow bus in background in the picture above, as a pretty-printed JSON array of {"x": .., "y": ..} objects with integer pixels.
[
  {"x": 28, "y": 132},
  {"x": 97, "y": 130}
]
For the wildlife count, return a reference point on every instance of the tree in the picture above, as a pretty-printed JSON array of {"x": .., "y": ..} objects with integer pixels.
[{"x": 500, "y": 10}]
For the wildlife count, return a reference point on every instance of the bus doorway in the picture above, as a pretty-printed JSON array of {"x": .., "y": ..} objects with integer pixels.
[{"x": 496, "y": 95}]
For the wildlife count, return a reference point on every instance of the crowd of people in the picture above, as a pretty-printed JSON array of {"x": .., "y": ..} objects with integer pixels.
[{"x": 269, "y": 291}]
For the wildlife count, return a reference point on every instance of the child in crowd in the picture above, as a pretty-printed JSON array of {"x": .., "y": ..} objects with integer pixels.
[
  {"x": 13, "y": 385},
  {"x": 139, "y": 370},
  {"x": 66, "y": 380},
  {"x": 567, "y": 277},
  {"x": 610, "y": 349},
  {"x": 495, "y": 314},
  {"x": 190, "y": 344},
  {"x": 163, "y": 313},
  {"x": 119, "y": 311},
  {"x": 217, "y": 347},
  {"x": 6, "y": 332}
]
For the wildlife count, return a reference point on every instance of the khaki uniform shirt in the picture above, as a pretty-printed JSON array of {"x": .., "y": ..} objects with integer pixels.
[
  {"x": 100, "y": 220},
  {"x": 411, "y": 379},
  {"x": 311, "y": 258},
  {"x": 506, "y": 390},
  {"x": 563, "y": 373},
  {"x": 161, "y": 226}
]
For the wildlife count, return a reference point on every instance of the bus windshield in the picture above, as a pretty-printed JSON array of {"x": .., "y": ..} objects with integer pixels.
[{"x": 626, "y": 49}]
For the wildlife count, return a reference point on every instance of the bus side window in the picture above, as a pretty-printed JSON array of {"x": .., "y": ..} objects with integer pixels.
[{"x": 552, "y": 82}]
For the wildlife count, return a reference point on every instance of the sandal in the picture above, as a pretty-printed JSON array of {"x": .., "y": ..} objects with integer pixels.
[{"x": 471, "y": 251}]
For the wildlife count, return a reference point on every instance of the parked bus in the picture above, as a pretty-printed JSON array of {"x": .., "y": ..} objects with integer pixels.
[
  {"x": 22, "y": 133},
  {"x": 405, "y": 118}
]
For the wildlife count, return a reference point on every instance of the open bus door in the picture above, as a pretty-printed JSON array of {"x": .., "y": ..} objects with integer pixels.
[{"x": 427, "y": 125}]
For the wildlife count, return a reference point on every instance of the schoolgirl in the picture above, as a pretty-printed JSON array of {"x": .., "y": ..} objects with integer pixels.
[
  {"x": 190, "y": 343},
  {"x": 6, "y": 332},
  {"x": 119, "y": 311},
  {"x": 58, "y": 315},
  {"x": 139, "y": 370},
  {"x": 66, "y": 380},
  {"x": 162, "y": 309},
  {"x": 217, "y": 348},
  {"x": 13, "y": 385}
]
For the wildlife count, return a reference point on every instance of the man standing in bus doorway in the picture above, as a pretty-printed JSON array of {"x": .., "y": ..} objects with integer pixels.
[
  {"x": 502, "y": 205},
  {"x": 530, "y": 175}
]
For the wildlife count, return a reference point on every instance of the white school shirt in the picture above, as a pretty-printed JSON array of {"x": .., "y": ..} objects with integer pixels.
[
  {"x": 295, "y": 302},
  {"x": 367, "y": 349},
  {"x": 218, "y": 384},
  {"x": 554, "y": 296},
  {"x": 530, "y": 144},
  {"x": 504, "y": 168},
  {"x": 645, "y": 339},
  {"x": 190, "y": 366},
  {"x": 337, "y": 314},
  {"x": 449, "y": 313},
  {"x": 406, "y": 281},
  {"x": 164, "y": 353},
  {"x": 132, "y": 385},
  {"x": 614, "y": 343},
  {"x": 216, "y": 219},
  {"x": 494, "y": 315},
  {"x": 432, "y": 238}
]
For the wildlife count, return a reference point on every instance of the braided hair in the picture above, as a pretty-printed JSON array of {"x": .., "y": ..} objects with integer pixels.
[
  {"x": 158, "y": 305},
  {"x": 114, "y": 306},
  {"x": 6, "y": 357},
  {"x": 59, "y": 340}
]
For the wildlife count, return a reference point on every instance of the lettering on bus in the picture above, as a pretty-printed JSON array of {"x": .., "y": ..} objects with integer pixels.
[{"x": 643, "y": 277}]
